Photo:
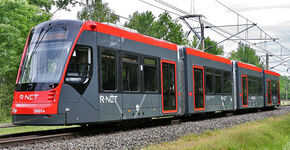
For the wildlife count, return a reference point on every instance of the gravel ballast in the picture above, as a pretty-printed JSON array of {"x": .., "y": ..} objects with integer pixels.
[{"x": 138, "y": 138}]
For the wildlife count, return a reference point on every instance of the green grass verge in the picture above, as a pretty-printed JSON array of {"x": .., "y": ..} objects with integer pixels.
[
  {"x": 22, "y": 129},
  {"x": 271, "y": 133},
  {"x": 285, "y": 103}
]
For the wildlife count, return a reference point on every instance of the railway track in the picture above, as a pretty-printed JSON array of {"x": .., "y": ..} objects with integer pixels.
[
  {"x": 7, "y": 125},
  {"x": 18, "y": 139}
]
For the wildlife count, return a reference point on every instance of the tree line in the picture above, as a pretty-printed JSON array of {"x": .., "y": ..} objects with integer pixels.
[{"x": 19, "y": 16}]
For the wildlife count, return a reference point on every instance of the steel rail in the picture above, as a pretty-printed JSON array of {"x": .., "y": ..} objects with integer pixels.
[{"x": 18, "y": 139}]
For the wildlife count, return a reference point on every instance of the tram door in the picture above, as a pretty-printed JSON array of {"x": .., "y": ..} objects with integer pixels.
[
  {"x": 198, "y": 88},
  {"x": 168, "y": 86},
  {"x": 245, "y": 90}
]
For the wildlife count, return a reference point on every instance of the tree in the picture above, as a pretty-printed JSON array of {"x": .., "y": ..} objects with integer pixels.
[
  {"x": 42, "y": 4},
  {"x": 17, "y": 18},
  {"x": 284, "y": 81},
  {"x": 246, "y": 54},
  {"x": 142, "y": 22},
  {"x": 209, "y": 45},
  {"x": 96, "y": 10},
  {"x": 46, "y": 5},
  {"x": 212, "y": 47},
  {"x": 164, "y": 28}
]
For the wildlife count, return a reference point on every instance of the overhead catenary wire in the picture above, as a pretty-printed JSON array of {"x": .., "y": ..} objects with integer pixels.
[
  {"x": 186, "y": 13},
  {"x": 249, "y": 21},
  {"x": 209, "y": 25},
  {"x": 81, "y": 3},
  {"x": 226, "y": 32},
  {"x": 261, "y": 30},
  {"x": 160, "y": 8}
]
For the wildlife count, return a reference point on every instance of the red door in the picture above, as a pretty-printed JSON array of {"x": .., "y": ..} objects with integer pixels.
[
  {"x": 198, "y": 88},
  {"x": 168, "y": 86},
  {"x": 245, "y": 99}
]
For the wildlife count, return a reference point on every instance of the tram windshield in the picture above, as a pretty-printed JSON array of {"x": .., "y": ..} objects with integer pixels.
[{"x": 47, "y": 52}]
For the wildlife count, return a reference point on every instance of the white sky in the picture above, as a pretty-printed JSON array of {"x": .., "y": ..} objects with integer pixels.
[{"x": 269, "y": 15}]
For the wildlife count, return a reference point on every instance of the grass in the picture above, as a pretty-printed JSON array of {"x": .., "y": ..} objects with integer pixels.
[
  {"x": 22, "y": 129},
  {"x": 267, "y": 134},
  {"x": 285, "y": 103}
]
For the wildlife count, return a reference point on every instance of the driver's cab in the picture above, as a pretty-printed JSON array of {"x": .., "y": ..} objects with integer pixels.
[{"x": 79, "y": 69}]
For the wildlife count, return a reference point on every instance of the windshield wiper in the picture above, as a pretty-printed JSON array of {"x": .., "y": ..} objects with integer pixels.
[
  {"x": 22, "y": 67},
  {"x": 39, "y": 40}
]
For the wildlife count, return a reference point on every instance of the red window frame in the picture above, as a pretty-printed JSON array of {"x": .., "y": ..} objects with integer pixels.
[
  {"x": 269, "y": 93},
  {"x": 202, "y": 68},
  {"x": 243, "y": 90},
  {"x": 176, "y": 104}
]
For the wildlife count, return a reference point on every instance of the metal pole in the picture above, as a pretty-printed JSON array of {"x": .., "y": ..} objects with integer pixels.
[
  {"x": 231, "y": 36},
  {"x": 267, "y": 61},
  {"x": 238, "y": 17},
  {"x": 287, "y": 89},
  {"x": 202, "y": 36}
]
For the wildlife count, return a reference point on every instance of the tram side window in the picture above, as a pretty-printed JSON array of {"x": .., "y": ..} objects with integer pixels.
[
  {"x": 254, "y": 85},
  {"x": 278, "y": 91},
  {"x": 251, "y": 85},
  {"x": 227, "y": 87},
  {"x": 255, "y": 82},
  {"x": 218, "y": 81},
  {"x": 260, "y": 88},
  {"x": 276, "y": 88},
  {"x": 108, "y": 58},
  {"x": 209, "y": 81},
  {"x": 272, "y": 88},
  {"x": 130, "y": 72},
  {"x": 150, "y": 74}
]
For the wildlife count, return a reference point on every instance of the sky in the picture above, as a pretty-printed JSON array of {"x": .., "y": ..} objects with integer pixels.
[{"x": 271, "y": 16}]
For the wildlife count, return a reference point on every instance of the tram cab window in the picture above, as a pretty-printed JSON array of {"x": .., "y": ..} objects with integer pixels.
[
  {"x": 79, "y": 66},
  {"x": 130, "y": 72},
  {"x": 150, "y": 74}
]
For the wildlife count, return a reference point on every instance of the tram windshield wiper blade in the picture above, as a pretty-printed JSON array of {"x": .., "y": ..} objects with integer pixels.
[{"x": 37, "y": 44}]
